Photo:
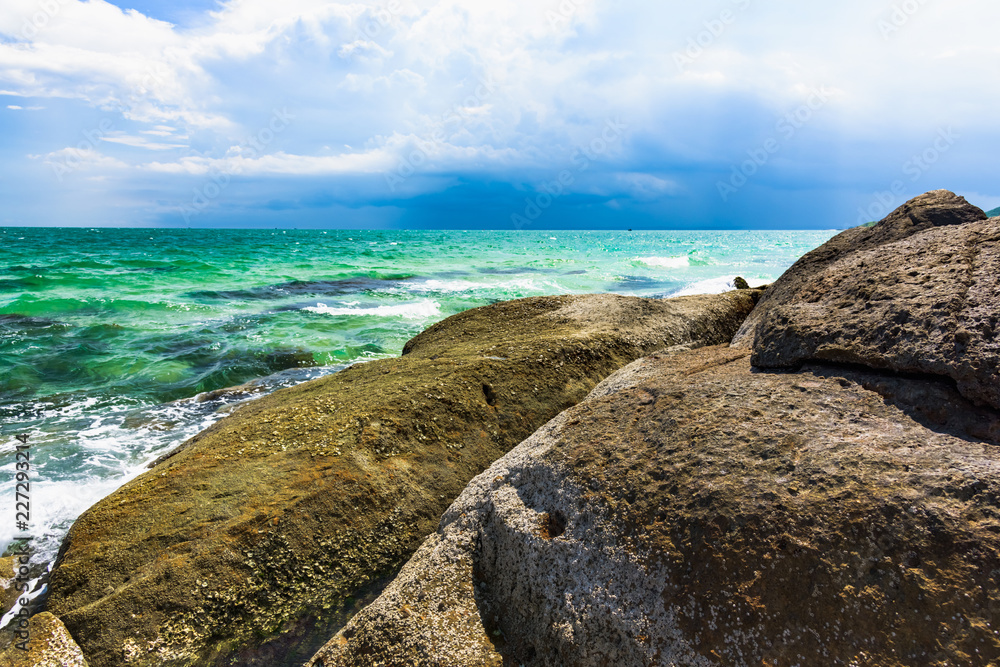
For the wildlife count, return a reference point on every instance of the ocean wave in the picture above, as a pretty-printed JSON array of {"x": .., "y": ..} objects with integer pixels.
[
  {"x": 710, "y": 286},
  {"x": 83, "y": 450},
  {"x": 457, "y": 286},
  {"x": 666, "y": 262},
  {"x": 411, "y": 311}
]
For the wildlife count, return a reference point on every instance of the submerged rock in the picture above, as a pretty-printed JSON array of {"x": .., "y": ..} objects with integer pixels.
[
  {"x": 917, "y": 293},
  {"x": 253, "y": 542},
  {"x": 694, "y": 512}
]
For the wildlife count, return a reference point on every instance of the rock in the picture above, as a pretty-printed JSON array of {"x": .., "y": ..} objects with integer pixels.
[
  {"x": 48, "y": 645},
  {"x": 693, "y": 511},
  {"x": 741, "y": 283},
  {"x": 938, "y": 208},
  {"x": 8, "y": 592},
  {"x": 254, "y": 541},
  {"x": 918, "y": 293}
]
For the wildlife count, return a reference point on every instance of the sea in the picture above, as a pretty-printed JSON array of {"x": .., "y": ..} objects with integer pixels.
[{"x": 109, "y": 337}]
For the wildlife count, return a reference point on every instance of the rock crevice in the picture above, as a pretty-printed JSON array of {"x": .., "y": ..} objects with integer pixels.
[
  {"x": 256, "y": 540},
  {"x": 826, "y": 490}
]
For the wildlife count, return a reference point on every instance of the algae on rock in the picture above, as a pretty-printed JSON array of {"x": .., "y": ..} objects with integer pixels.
[
  {"x": 48, "y": 645},
  {"x": 842, "y": 508},
  {"x": 253, "y": 542},
  {"x": 711, "y": 516}
]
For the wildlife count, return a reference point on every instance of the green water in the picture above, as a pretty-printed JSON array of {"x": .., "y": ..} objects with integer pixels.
[{"x": 101, "y": 330}]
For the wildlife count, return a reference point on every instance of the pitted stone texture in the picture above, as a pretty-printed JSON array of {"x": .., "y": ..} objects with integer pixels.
[
  {"x": 252, "y": 543},
  {"x": 49, "y": 645},
  {"x": 927, "y": 302},
  {"x": 938, "y": 208},
  {"x": 713, "y": 515}
]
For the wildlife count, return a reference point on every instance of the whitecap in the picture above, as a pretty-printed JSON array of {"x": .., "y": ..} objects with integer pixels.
[
  {"x": 710, "y": 286},
  {"x": 667, "y": 262},
  {"x": 518, "y": 285},
  {"x": 412, "y": 311}
]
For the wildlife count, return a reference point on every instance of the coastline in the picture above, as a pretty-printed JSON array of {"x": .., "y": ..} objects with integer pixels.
[
  {"x": 669, "y": 362},
  {"x": 276, "y": 515},
  {"x": 105, "y": 330}
]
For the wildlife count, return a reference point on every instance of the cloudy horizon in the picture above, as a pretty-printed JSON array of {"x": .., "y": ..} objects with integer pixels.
[{"x": 572, "y": 114}]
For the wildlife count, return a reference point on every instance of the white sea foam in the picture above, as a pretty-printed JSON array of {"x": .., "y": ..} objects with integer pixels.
[
  {"x": 411, "y": 311},
  {"x": 65, "y": 482},
  {"x": 666, "y": 262},
  {"x": 710, "y": 286},
  {"x": 455, "y": 286},
  {"x": 115, "y": 454},
  {"x": 441, "y": 286}
]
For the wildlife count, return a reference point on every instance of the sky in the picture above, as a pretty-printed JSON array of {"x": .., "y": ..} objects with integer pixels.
[{"x": 470, "y": 114}]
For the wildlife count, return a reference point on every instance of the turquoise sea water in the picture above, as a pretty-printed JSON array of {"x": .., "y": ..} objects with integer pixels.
[{"x": 105, "y": 332}]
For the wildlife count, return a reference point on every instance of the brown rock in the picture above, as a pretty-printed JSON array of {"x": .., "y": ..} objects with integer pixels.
[
  {"x": 48, "y": 645},
  {"x": 709, "y": 514},
  {"x": 938, "y": 208},
  {"x": 253, "y": 542},
  {"x": 8, "y": 591},
  {"x": 907, "y": 295}
]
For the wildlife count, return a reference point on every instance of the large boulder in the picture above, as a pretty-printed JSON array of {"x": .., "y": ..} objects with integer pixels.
[
  {"x": 695, "y": 512},
  {"x": 918, "y": 293},
  {"x": 255, "y": 540}
]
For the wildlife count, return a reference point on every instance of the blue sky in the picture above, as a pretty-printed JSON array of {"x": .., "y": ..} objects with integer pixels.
[{"x": 524, "y": 114}]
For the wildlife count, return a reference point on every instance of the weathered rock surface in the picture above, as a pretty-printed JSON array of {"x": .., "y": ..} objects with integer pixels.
[
  {"x": 917, "y": 293},
  {"x": 252, "y": 543},
  {"x": 8, "y": 589},
  {"x": 49, "y": 644},
  {"x": 693, "y": 511}
]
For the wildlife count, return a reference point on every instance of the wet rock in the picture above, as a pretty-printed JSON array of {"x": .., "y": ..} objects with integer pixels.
[
  {"x": 708, "y": 514},
  {"x": 918, "y": 293},
  {"x": 256, "y": 540}
]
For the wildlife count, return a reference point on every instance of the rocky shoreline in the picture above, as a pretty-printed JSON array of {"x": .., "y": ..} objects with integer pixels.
[{"x": 811, "y": 479}]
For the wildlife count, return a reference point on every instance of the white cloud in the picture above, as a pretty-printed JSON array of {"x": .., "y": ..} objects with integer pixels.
[
  {"x": 396, "y": 77},
  {"x": 394, "y": 153},
  {"x": 645, "y": 186},
  {"x": 363, "y": 48},
  {"x": 139, "y": 142},
  {"x": 75, "y": 159}
]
